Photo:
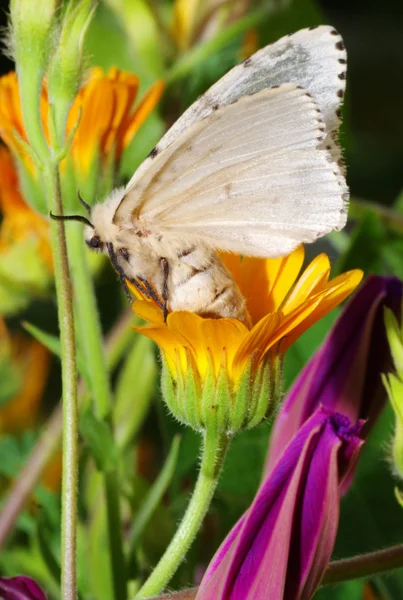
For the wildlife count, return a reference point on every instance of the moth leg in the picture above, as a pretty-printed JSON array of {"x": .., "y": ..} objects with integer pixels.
[
  {"x": 149, "y": 291},
  {"x": 119, "y": 270},
  {"x": 165, "y": 291}
]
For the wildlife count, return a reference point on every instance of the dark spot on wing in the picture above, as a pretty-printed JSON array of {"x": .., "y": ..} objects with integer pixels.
[
  {"x": 216, "y": 106},
  {"x": 154, "y": 152},
  {"x": 338, "y": 113},
  {"x": 313, "y": 27},
  {"x": 340, "y": 93},
  {"x": 342, "y": 75},
  {"x": 274, "y": 87},
  {"x": 342, "y": 61},
  {"x": 247, "y": 62},
  {"x": 340, "y": 45},
  {"x": 334, "y": 32}
]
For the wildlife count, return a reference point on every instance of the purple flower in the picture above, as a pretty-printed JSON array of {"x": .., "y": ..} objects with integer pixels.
[
  {"x": 345, "y": 373},
  {"x": 281, "y": 546},
  {"x": 20, "y": 588}
]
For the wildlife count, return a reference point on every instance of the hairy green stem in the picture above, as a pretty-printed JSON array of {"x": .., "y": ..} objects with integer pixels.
[
  {"x": 214, "y": 450},
  {"x": 90, "y": 336},
  {"x": 69, "y": 383}
]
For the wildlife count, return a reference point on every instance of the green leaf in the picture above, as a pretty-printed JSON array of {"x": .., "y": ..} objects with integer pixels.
[
  {"x": 46, "y": 551},
  {"x": 52, "y": 343},
  {"x": 98, "y": 436},
  {"x": 154, "y": 496},
  {"x": 134, "y": 391}
]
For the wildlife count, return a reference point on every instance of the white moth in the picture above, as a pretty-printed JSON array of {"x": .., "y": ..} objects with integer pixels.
[{"x": 252, "y": 167}]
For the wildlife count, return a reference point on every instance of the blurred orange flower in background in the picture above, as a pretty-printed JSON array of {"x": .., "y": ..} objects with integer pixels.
[
  {"x": 28, "y": 362},
  {"x": 20, "y": 222},
  {"x": 103, "y": 110}
]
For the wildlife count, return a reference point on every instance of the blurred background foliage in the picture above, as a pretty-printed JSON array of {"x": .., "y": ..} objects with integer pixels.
[{"x": 157, "y": 472}]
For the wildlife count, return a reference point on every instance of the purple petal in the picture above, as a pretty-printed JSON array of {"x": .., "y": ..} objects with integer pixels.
[
  {"x": 282, "y": 545},
  {"x": 20, "y": 588},
  {"x": 345, "y": 373}
]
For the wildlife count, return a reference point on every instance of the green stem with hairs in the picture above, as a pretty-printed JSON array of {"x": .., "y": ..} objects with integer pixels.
[
  {"x": 90, "y": 336},
  {"x": 214, "y": 449},
  {"x": 69, "y": 385}
]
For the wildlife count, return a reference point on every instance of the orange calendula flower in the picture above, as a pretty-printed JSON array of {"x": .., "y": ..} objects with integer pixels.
[
  {"x": 25, "y": 255},
  {"x": 103, "y": 114},
  {"x": 282, "y": 305}
]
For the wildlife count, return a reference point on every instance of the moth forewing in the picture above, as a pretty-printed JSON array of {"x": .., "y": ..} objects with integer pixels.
[{"x": 246, "y": 169}]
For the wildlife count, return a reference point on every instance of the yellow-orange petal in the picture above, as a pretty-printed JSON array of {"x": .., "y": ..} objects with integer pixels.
[
  {"x": 339, "y": 289},
  {"x": 188, "y": 324},
  {"x": 281, "y": 274},
  {"x": 148, "y": 311},
  {"x": 256, "y": 341},
  {"x": 297, "y": 322},
  {"x": 314, "y": 278},
  {"x": 223, "y": 335},
  {"x": 172, "y": 344},
  {"x": 22, "y": 411},
  {"x": 146, "y": 105},
  {"x": 264, "y": 282}
]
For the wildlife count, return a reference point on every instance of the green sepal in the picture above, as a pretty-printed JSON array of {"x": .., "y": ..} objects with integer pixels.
[
  {"x": 222, "y": 404},
  {"x": 208, "y": 391},
  {"x": 243, "y": 401},
  {"x": 32, "y": 187},
  {"x": 192, "y": 393},
  {"x": 173, "y": 389},
  {"x": 262, "y": 393},
  {"x": 134, "y": 391}
]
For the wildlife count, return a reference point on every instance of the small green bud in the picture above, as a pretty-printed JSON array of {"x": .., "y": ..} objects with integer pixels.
[
  {"x": 31, "y": 40},
  {"x": 32, "y": 24},
  {"x": 66, "y": 65}
]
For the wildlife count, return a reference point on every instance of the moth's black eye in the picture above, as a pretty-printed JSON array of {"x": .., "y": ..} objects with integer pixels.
[
  {"x": 124, "y": 254},
  {"x": 95, "y": 242}
]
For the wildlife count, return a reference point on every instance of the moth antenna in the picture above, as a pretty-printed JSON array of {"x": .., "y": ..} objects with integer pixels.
[
  {"x": 84, "y": 203},
  {"x": 71, "y": 218}
]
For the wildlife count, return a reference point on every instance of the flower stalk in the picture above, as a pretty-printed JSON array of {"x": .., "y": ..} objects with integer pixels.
[
  {"x": 215, "y": 444},
  {"x": 91, "y": 339},
  {"x": 69, "y": 386}
]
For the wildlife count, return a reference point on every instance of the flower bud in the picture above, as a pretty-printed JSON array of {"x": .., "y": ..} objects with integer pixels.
[
  {"x": 66, "y": 65},
  {"x": 31, "y": 39}
]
